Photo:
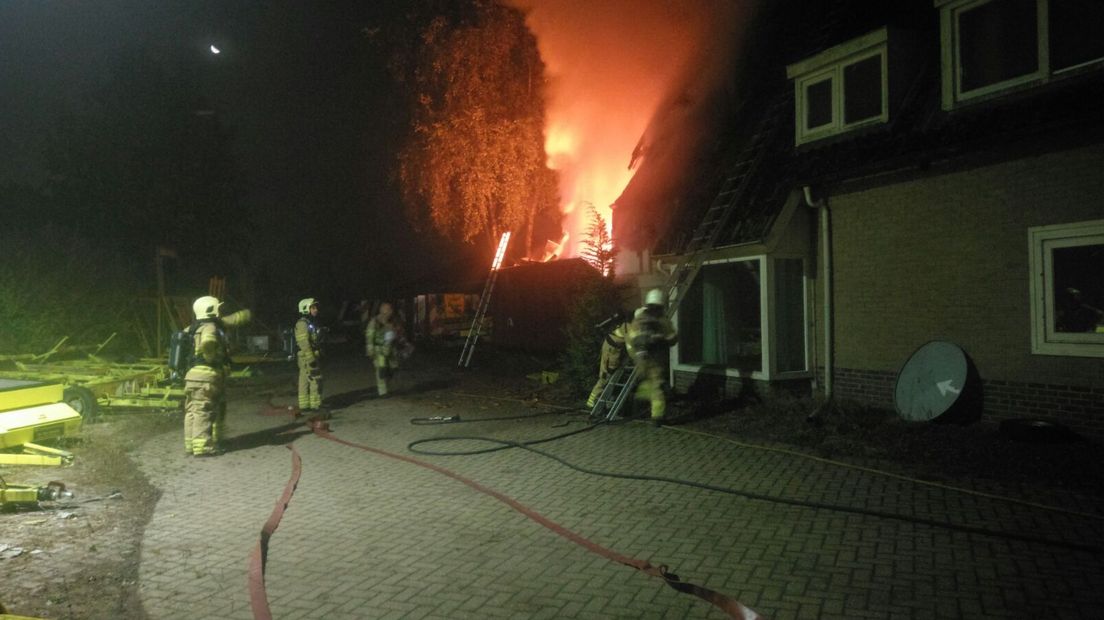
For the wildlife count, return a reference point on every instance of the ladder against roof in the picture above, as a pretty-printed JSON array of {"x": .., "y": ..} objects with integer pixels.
[
  {"x": 484, "y": 303},
  {"x": 733, "y": 192}
]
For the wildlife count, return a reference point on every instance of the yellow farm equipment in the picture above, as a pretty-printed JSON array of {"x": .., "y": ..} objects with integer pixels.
[{"x": 31, "y": 412}]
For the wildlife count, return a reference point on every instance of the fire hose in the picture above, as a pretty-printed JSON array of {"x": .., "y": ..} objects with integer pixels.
[
  {"x": 259, "y": 557},
  {"x": 723, "y": 602},
  {"x": 504, "y": 444}
]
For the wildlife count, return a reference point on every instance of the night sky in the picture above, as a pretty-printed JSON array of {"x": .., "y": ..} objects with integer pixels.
[{"x": 315, "y": 119}]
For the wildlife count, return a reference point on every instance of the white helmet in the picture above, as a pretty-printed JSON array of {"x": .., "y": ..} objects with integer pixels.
[
  {"x": 655, "y": 297},
  {"x": 305, "y": 305},
  {"x": 206, "y": 307}
]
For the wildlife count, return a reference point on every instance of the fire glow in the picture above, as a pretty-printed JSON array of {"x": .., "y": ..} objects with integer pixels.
[{"x": 610, "y": 65}]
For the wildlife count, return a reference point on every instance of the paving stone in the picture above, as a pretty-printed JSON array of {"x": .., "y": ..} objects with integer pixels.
[{"x": 367, "y": 536}]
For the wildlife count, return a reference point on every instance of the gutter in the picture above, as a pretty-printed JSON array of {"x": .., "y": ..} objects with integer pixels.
[{"x": 826, "y": 261}]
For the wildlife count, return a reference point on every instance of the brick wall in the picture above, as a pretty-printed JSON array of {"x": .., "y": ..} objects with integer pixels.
[
  {"x": 1080, "y": 408},
  {"x": 945, "y": 257}
]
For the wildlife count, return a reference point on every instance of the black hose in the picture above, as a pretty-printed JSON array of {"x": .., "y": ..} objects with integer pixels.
[
  {"x": 527, "y": 445},
  {"x": 455, "y": 419}
]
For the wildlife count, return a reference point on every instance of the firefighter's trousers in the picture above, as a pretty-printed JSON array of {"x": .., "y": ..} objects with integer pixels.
[
  {"x": 612, "y": 358},
  {"x": 204, "y": 409},
  {"x": 653, "y": 386},
  {"x": 310, "y": 385},
  {"x": 385, "y": 361}
]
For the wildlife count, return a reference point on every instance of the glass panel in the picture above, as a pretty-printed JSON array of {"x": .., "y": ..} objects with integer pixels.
[
  {"x": 719, "y": 320},
  {"x": 1078, "y": 288},
  {"x": 818, "y": 104},
  {"x": 862, "y": 90},
  {"x": 997, "y": 42},
  {"x": 690, "y": 323},
  {"x": 1076, "y": 32},
  {"x": 789, "y": 314}
]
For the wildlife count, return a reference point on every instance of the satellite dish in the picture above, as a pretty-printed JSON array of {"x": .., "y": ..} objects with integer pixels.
[{"x": 931, "y": 381}]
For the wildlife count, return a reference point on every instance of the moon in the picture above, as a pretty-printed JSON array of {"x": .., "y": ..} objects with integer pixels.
[{"x": 215, "y": 50}]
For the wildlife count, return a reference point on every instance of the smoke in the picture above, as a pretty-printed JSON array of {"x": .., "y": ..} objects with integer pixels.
[{"x": 618, "y": 71}]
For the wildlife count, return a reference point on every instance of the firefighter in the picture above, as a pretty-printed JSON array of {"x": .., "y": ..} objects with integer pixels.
[
  {"x": 308, "y": 341},
  {"x": 205, "y": 381},
  {"x": 382, "y": 341},
  {"x": 613, "y": 356},
  {"x": 649, "y": 336}
]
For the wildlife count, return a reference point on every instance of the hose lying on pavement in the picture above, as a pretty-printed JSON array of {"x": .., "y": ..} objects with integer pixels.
[
  {"x": 504, "y": 444},
  {"x": 258, "y": 596},
  {"x": 729, "y": 605}
]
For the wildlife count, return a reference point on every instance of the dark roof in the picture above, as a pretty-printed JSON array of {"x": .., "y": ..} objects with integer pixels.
[{"x": 919, "y": 133}]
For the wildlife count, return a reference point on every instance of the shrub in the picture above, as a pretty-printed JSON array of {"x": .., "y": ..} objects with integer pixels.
[
  {"x": 594, "y": 302},
  {"x": 55, "y": 284}
]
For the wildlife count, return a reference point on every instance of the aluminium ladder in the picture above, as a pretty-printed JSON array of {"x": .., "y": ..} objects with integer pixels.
[
  {"x": 615, "y": 393},
  {"x": 484, "y": 303},
  {"x": 708, "y": 231}
]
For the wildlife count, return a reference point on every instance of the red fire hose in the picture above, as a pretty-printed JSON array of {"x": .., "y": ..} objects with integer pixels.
[{"x": 259, "y": 598}]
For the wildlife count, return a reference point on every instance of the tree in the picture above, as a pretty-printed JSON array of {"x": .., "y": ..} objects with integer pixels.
[
  {"x": 598, "y": 247},
  {"x": 474, "y": 164}
]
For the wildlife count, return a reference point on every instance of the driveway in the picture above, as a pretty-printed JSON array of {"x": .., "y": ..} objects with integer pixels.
[{"x": 366, "y": 535}]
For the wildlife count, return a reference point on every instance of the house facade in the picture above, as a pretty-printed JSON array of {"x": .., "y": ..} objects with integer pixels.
[{"x": 937, "y": 175}]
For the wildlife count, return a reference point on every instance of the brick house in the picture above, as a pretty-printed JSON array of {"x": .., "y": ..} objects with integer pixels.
[{"x": 919, "y": 171}]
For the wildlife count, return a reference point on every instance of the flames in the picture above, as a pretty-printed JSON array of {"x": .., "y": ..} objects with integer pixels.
[{"x": 611, "y": 65}]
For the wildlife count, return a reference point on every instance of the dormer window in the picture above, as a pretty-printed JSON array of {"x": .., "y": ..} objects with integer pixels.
[
  {"x": 841, "y": 89},
  {"x": 993, "y": 46}
]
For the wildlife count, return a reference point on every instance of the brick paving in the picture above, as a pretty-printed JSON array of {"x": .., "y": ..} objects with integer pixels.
[{"x": 370, "y": 537}]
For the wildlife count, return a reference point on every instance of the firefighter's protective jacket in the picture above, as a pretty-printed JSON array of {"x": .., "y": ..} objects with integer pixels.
[
  {"x": 380, "y": 337},
  {"x": 212, "y": 352},
  {"x": 613, "y": 347},
  {"x": 306, "y": 338},
  {"x": 649, "y": 335}
]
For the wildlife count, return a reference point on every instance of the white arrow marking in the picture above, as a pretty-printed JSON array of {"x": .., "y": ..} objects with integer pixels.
[{"x": 945, "y": 386}]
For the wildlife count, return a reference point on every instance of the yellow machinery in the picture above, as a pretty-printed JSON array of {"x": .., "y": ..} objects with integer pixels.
[
  {"x": 12, "y": 494},
  {"x": 30, "y": 412}
]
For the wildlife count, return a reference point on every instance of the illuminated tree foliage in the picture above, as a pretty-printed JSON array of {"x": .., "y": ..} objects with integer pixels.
[
  {"x": 598, "y": 247},
  {"x": 474, "y": 164}
]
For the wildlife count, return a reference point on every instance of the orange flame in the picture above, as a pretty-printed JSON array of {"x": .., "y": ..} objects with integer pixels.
[{"x": 610, "y": 66}]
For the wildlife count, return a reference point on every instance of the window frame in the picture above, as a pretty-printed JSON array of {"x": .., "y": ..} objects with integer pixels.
[
  {"x": 768, "y": 362},
  {"x": 1045, "y": 340},
  {"x": 830, "y": 64},
  {"x": 950, "y": 39}
]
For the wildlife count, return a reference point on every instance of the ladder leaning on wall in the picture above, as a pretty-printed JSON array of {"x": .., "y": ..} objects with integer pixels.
[
  {"x": 484, "y": 303},
  {"x": 732, "y": 193}
]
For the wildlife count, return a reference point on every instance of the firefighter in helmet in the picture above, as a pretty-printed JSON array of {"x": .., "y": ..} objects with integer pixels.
[
  {"x": 613, "y": 355},
  {"x": 308, "y": 341},
  {"x": 383, "y": 341},
  {"x": 205, "y": 381},
  {"x": 649, "y": 336}
]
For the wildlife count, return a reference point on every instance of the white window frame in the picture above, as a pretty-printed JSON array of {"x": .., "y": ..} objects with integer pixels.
[
  {"x": 768, "y": 364},
  {"x": 949, "y": 11},
  {"x": 830, "y": 64},
  {"x": 1045, "y": 340},
  {"x": 807, "y": 332}
]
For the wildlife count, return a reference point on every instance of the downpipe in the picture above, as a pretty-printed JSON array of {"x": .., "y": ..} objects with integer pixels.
[{"x": 821, "y": 204}]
